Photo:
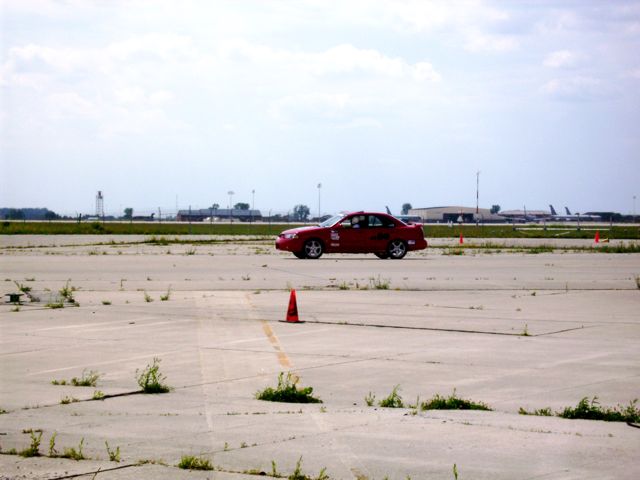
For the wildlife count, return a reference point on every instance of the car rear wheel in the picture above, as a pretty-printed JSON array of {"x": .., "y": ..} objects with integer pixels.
[
  {"x": 313, "y": 248},
  {"x": 397, "y": 249},
  {"x": 381, "y": 255}
]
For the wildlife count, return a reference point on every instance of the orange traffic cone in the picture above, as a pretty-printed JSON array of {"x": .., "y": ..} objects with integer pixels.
[
  {"x": 461, "y": 239},
  {"x": 292, "y": 311},
  {"x": 597, "y": 237}
]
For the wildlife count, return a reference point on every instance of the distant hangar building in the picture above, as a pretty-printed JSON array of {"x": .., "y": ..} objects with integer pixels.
[
  {"x": 199, "y": 215},
  {"x": 455, "y": 214}
]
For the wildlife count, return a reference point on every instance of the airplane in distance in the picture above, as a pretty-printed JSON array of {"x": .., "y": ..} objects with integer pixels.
[
  {"x": 406, "y": 218},
  {"x": 569, "y": 217}
]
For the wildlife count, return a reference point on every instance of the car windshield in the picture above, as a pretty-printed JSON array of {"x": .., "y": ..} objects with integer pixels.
[{"x": 330, "y": 222}]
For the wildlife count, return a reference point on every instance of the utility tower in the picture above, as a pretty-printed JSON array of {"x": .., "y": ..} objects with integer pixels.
[{"x": 99, "y": 205}]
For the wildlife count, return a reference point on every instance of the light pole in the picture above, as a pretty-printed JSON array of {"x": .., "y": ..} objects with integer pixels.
[
  {"x": 253, "y": 203},
  {"x": 634, "y": 209},
  {"x": 230, "y": 193},
  {"x": 319, "y": 189}
]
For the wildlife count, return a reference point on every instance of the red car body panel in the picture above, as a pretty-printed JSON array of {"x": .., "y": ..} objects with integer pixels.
[{"x": 357, "y": 232}]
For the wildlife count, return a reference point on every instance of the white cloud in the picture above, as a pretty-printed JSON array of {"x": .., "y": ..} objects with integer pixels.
[
  {"x": 478, "y": 42},
  {"x": 574, "y": 88},
  {"x": 562, "y": 59}
]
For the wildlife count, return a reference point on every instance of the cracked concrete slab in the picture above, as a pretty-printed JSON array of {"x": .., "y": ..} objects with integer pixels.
[{"x": 444, "y": 323}]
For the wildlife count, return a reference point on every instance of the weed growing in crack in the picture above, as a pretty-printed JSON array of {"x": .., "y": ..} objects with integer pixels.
[
  {"x": 542, "y": 412},
  {"x": 67, "y": 293},
  {"x": 166, "y": 296},
  {"x": 98, "y": 395},
  {"x": 299, "y": 475},
  {"x": 147, "y": 297},
  {"x": 637, "y": 278},
  {"x": 34, "y": 449},
  {"x": 379, "y": 284},
  {"x": 151, "y": 380},
  {"x": 394, "y": 400},
  {"x": 525, "y": 332},
  {"x": 52, "y": 445},
  {"x": 452, "y": 402},
  {"x": 72, "y": 453},
  {"x": 288, "y": 391},
  {"x": 114, "y": 455},
  {"x": 189, "y": 462},
  {"x": 370, "y": 399},
  {"x": 88, "y": 379},
  {"x": 591, "y": 410},
  {"x": 106, "y": 302}
]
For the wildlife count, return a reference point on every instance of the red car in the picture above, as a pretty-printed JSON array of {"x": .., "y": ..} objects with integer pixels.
[{"x": 358, "y": 232}]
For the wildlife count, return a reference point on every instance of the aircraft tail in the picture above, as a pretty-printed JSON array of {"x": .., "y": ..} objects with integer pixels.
[
  {"x": 566, "y": 209},
  {"x": 388, "y": 211},
  {"x": 553, "y": 210}
]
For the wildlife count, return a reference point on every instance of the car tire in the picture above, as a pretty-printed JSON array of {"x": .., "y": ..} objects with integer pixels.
[
  {"x": 300, "y": 254},
  {"x": 382, "y": 255},
  {"x": 397, "y": 249},
  {"x": 313, "y": 248}
]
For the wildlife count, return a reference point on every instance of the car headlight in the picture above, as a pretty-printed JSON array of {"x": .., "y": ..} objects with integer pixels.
[{"x": 290, "y": 235}]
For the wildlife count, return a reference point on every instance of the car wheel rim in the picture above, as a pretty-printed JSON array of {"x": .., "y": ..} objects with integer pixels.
[
  {"x": 397, "y": 249},
  {"x": 313, "y": 249}
]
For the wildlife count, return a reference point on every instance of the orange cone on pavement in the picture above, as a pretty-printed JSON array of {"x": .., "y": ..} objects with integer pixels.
[
  {"x": 292, "y": 311},
  {"x": 597, "y": 237},
  {"x": 461, "y": 239}
]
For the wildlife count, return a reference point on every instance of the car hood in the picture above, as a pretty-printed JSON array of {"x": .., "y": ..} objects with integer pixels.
[{"x": 301, "y": 229}]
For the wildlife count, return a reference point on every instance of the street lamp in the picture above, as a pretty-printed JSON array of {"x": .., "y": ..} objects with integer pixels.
[
  {"x": 253, "y": 203},
  {"x": 230, "y": 193},
  {"x": 634, "y": 209},
  {"x": 319, "y": 188}
]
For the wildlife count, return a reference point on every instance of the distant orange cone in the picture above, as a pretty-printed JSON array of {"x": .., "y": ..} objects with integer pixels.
[
  {"x": 597, "y": 237},
  {"x": 461, "y": 239},
  {"x": 292, "y": 311}
]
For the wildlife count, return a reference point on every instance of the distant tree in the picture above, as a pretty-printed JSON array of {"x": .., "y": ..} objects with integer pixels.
[
  {"x": 300, "y": 213},
  {"x": 495, "y": 209},
  {"x": 215, "y": 206},
  {"x": 128, "y": 213},
  {"x": 14, "y": 214},
  {"x": 405, "y": 208},
  {"x": 241, "y": 206},
  {"x": 49, "y": 215}
]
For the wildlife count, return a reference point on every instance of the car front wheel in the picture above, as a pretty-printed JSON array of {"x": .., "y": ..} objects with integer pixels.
[
  {"x": 313, "y": 248},
  {"x": 397, "y": 249}
]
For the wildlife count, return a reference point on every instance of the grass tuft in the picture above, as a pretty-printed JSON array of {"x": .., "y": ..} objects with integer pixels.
[
  {"x": 114, "y": 455},
  {"x": 189, "y": 462},
  {"x": 452, "y": 402},
  {"x": 541, "y": 412},
  {"x": 288, "y": 391},
  {"x": 34, "y": 449},
  {"x": 591, "y": 410},
  {"x": 72, "y": 453},
  {"x": 394, "y": 400},
  {"x": 151, "y": 380}
]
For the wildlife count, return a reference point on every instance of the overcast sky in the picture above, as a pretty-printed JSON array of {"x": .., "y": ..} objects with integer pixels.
[{"x": 382, "y": 101}]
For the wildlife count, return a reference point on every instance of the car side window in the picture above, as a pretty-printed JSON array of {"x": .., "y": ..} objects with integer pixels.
[{"x": 375, "y": 222}]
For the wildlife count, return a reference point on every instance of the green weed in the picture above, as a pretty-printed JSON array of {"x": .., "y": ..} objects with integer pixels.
[
  {"x": 88, "y": 379},
  {"x": 379, "y": 284},
  {"x": 370, "y": 399},
  {"x": 106, "y": 302},
  {"x": 67, "y": 400},
  {"x": 147, "y": 298},
  {"x": 72, "y": 453},
  {"x": 114, "y": 455},
  {"x": 591, "y": 410},
  {"x": 151, "y": 380},
  {"x": 189, "y": 462},
  {"x": 34, "y": 449},
  {"x": 452, "y": 402},
  {"x": 52, "y": 445},
  {"x": 166, "y": 296},
  {"x": 299, "y": 475},
  {"x": 542, "y": 412},
  {"x": 394, "y": 400},
  {"x": 288, "y": 391},
  {"x": 98, "y": 395},
  {"x": 67, "y": 292}
]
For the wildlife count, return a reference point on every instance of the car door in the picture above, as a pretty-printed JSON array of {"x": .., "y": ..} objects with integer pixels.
[
  {"x": 379, "y": 231},
  {"x": 350, "y": 233}
]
